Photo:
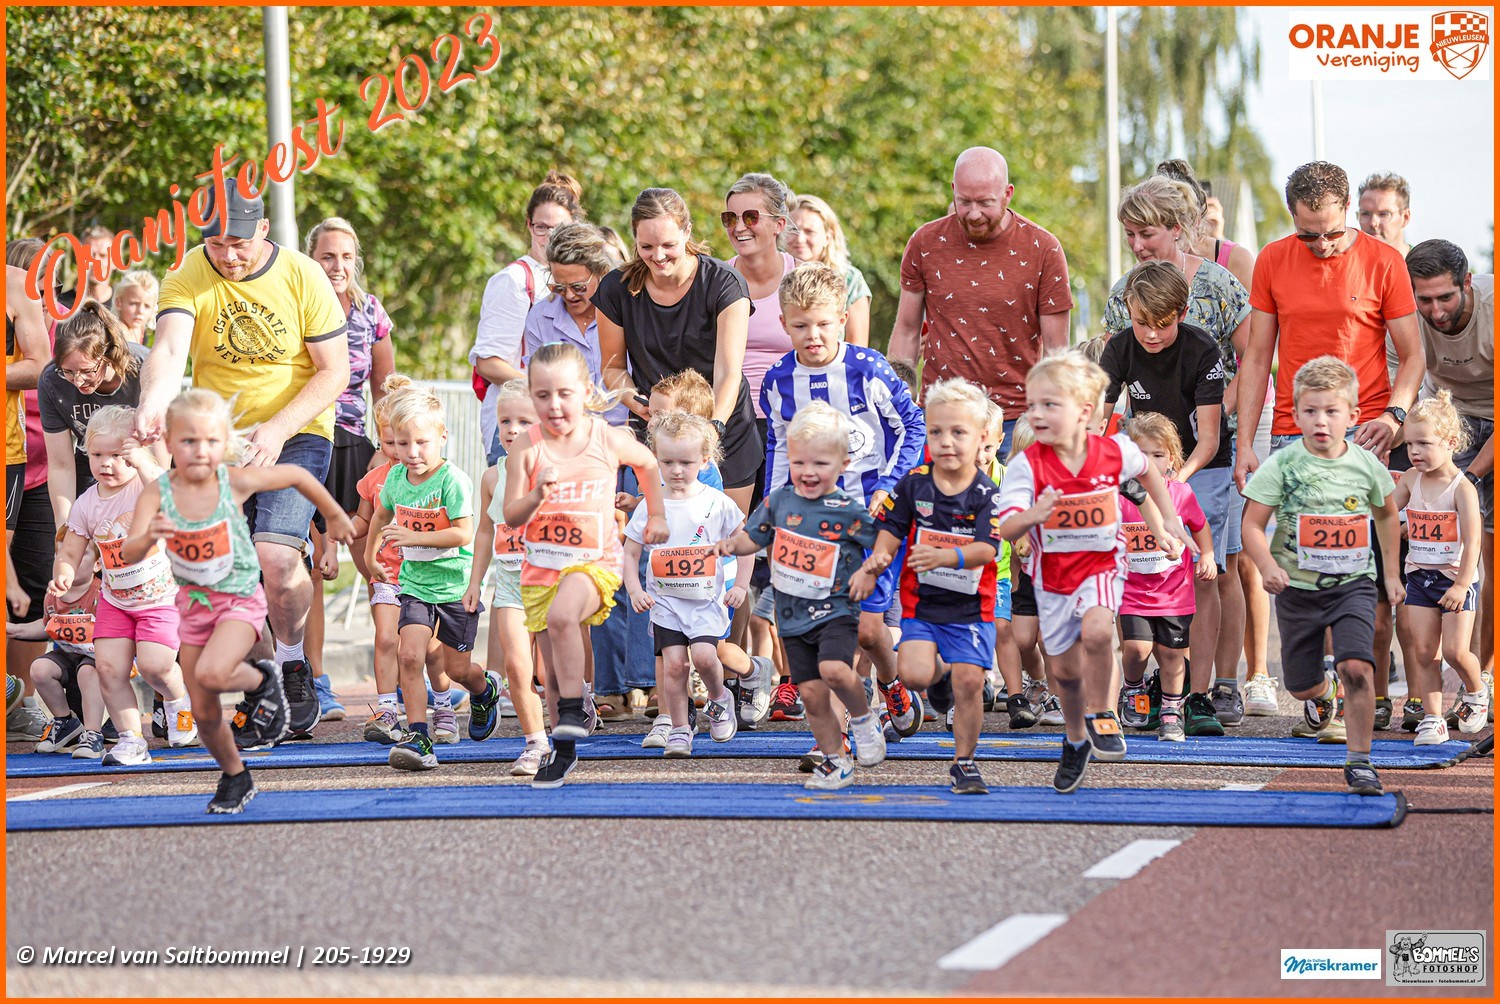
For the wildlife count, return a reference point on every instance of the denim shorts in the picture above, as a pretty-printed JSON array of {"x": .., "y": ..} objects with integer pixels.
[
  {"x": 283, "y": 516},
  {"x": 1222, "y": 504}
]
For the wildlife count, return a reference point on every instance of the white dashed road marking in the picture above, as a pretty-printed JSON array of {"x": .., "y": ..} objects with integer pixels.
[
  {"x": 1130, "y": 859},
  {"x": 1003, "y": 942}
]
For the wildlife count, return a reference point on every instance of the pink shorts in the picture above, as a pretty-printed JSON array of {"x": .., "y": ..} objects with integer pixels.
[
  {"x": 199, "y": 618},
  {"x": 153, "y": 624}
]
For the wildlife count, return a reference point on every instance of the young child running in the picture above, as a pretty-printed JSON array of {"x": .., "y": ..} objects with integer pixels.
[
  {"x": 65, "y": 677},
  {"x": 1063, "y": 495},
  {"x": 946, "y": 514},
  {"x": 1034, "y": 703},
  {"x": 196, "y": 508},
  {"x": 1319, "y": 565},
  {"x": 818, "y": 535},
  {"x": 137, "y": 620},
  {"x": 509, "y": 642},
  {"x": 1443, "y": 527},
  {"x": 1158, "y": 605},
  {"x": 685, "y": 590},
  {"x": 426, "y": 509},
  {"x": 560, "y": 486}
]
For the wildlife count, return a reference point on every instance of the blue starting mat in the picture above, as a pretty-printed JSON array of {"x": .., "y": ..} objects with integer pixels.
[
  {"x": 1118, "y": 806},
  {"x": 1216, "y": 751}
]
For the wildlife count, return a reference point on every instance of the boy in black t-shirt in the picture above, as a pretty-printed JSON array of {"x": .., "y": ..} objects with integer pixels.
[{"x": 947, "y": 514}]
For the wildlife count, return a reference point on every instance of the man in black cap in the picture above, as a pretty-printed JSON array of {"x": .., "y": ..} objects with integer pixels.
[{"x": 263, "y": 326}]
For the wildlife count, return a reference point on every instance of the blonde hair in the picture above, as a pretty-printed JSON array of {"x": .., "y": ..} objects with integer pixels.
[
  {"x": 1440, "y": 413},
  {"x": 393, "y": 385},
  {"x": 1156, "y": 427},
  {"x": 1074, "y": 373},
  {"x": 1326, "y": 373},
  {"x": 690, "y": 391},
  {"x": 339, "y": 225},
  {"x": 205, "y": 403},
  {"x": 512, "y": 390},
  {"x": 963, "y": 394},
  {"x": 836, "y": 251},
  {"x": 417, "y": 406},
  {"x": 566, "y": 354},
  {"x": 138, "y": 278},
  {"x": 1162, "y": 202},
  {"x": 685, "y": 427},
  {"x": 1021, "y": 436},
  {"x": 1158, "y": 291},
  {"x": 113, "y": 420},
  {"x": 812, "y": 285},
  {"x": 994, "y": 418},
  {"x": 1093, "y": 348},
  {"x": 819, "y": 422}
]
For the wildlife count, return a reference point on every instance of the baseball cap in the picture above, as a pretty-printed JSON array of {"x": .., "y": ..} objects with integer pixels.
[{"x": 242, "y": 215}]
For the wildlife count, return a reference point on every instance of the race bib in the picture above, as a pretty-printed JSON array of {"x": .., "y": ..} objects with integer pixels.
[
  {"x": 424, "y": 521},
  {"x": 1085, "y": 522},
  {"x": 510, "y": 548},
  {"x": 119, "y": 577},
  {"x": 71, "y": 629},
  {"x": 1142, "y": 555},
  {"x": 802, "y": 566},
  {"x": 1338, "y": 545},
  {"x": 1433, "y": 537},
  {"x": 563, "y": 539},
  {"x": 689, "y": 573},
  {"x": 958, "y": 580},
  {"x": 203, "y": 557}
]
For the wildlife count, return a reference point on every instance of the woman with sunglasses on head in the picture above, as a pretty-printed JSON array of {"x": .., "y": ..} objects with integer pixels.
[
  {"x": 816, "y": 235},
  {"x": 511, "y": 293}
]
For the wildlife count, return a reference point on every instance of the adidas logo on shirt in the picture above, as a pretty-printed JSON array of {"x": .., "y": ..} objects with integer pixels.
[{"x": 1139, "y": 392}]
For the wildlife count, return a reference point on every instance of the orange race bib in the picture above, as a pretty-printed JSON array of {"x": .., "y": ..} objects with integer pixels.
[
  {"x": 203, "y": 557},
  {"x": 1086, "y": 522},
  {"x": 510, "y": 548},
  {"x": 1433, "y": 537},
  {"x": 803, "y": 566},
  {"x": 71, "y": 629},
  {"x": 959, "y": 580},
  {"x": 1338, "y": 545},
  {"x": 1143, "y": 555},
  {"x": 563, "y": 539},
  {"x": 119, "y": 576},
  {"x": 424, "y": 521},
  {"x": 688, "y": 573}
]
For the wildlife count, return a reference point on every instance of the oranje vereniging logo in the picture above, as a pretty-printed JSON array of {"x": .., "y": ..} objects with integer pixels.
[{"x": 1460, "y": 39}]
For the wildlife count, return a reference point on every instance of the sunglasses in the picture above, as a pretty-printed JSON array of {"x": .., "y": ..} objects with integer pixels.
[
  {"x": 1332, "y": 235},
  {"x": 750, "y": 216},
  {"x": 580, "y": 288}
]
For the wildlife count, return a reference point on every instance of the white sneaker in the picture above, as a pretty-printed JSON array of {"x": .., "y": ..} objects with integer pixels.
[
  {"x": 757, "y": 691},
  {"x": 1260, "y": 697},
  {"x": 181, "y": 731},
  {"x": 679, "y": 744},
  {"x": 1431, "y": 731},
  {"x": 722, "y": 724},
  {"x": 656, "y": 739},
  {"x": 1472, "y": 711},
  {"x": 530, "y": 760},
  {"x": 1051, "y": 710},
  {"x": 833, "y": 773},
  {"x": 869, "y": 741},
  {"x": 444, "y": 727},
  {"x": 130, "y": 751},
  {"x": 504, "y": 706}
]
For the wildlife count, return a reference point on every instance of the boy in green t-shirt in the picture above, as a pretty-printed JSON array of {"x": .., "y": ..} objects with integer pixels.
[
  {"x": 1323, "y": 491},
  {"x": 425, "y": 508}
]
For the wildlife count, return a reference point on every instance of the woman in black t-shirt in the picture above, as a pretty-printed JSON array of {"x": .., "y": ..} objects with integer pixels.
[{"x": 673, "y": 307}]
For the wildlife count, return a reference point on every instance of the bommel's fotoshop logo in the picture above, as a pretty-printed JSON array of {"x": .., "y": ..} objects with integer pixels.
[
  {"x": 1385, "y": 44},
  {"x": 1432, "y": 958},
  {"x": 1330, "y": 963}
]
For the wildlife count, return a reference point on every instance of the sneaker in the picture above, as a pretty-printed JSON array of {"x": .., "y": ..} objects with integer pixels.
[
  {"x": 1001, "y": 701},
  {"x": 1412, "y": 715},
  {"x": 1473, "y": 709},
  {"x": 484, "y": 710},
  {"x": 966, "y": 779},
  {"x": 755, "y": 692},
  {"x": 869, "y": 741},
  {"x": 656, "y": 739},
  {"x": 1362, "y": 779},
  {"x": 1431, "y": 731},
  {"x": 692, "y": 718},
  {"x": 1334, "y": 733},
  {"x": 1105, "y": 736},
  {"x": 1384, "y": 709},
  {"x": 301, "y": 696},
  {"x": 1153, "y": 692},
  {"x": 414, "y": 753},
  {"x": 1170, "y": 730},
  {"x": 182, "y": 731},
  {"x": 90, "y": 746},
  {"x": 929, "y": 713},
  {"x": 905, "y": 708},
  {"x": 233, "y": 794},
  {"x": 940, "y": 694},
  {"x": 831, "y": 774},
  {"x": 329, "y": 708},
  {"x": 723, "y": 723},
  {"x": 786, "y": 704},
  {"x": 109, "y": 732},
  {"x": 26, "y": 723},
  {"x": 679, "y": 744},
  {"x": 590, "y": 714},
  {"x": 1074, "y": 764},
  {"x": 697, "y": 689},
  {"x": 1316, "y": 712},
  {"x": 383, "y": 727},
  {"x": 530, "y": 760},
  {"x": 814, "y": 756},
  {"x": 1051, "y": 712},
  {"x": 503, "y": 704},
  {"x": 1229, "y": 706},
  {"x": 1199, "y": 717},
  {"x": 1022, "y": 714},
  {"x": 572, "y": 724},
  {"x": 61, "y": 733},
  {"x": 15, "y": 693},
  {"x": 130, "y": 751},
  {"x": 267, "y": 717},
  {"x": 1135, "y": 705},
  {"x": 1260, "y": 697},
  {"x": 158, "y": 717},
  {"x": 444, "y": 727},
  {"x": 556, "y": 767}
]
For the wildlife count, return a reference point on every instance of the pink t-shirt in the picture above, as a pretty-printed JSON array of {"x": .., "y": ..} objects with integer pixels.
[
  {"x": 106, "y": 521},
  {"x": 369, "y": 488},
  {"x": 767, "y": 340},
  {"x": 1152, "y": 593}
]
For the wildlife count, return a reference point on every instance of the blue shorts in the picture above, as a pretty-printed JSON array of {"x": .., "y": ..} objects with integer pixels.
[
  {"x": 1002, "y": 599},
  {"x": 887, "y": 587},
  {"x": 283, "y": 516},
  {"x": 1222, "y": 504},
  {"x": 973, "y": 644},
  {"x": 1425, "y": 588}
]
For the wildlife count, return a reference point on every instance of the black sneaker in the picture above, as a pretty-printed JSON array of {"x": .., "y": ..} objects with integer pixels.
[
  {"x": 301, "y": 696},
  {"x": 234, "y": 793},
  {"x": 1075, "y": 763},
  {"x": 239, "y": 726},
  {"x": 1362, "y": 779},
  {"x": 1153, "y": 698},
  {"x": 1106, "y": 736},
  {"x": 108, "y": 732},
  {"x": 1199, "y": 717},
  {"x": 158, "y": 717},
  {"x": 266, "y": 707},
  {"x": 558, "y": 765},
  {"x": 940, "y": 694},
  {"x": 1384, "y": 709},
  {"x": 1412, "y": 714},
  {"x": 572, "y": 721},
  {"x": 413, "y": 753},
  {"x": 966, "y": 778},
  {"x": 482, "y": 710},
  {"x": 1022, "y": 714}
]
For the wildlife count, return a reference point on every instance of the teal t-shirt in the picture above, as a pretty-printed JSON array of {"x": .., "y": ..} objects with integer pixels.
[
  {"x": 432, "y": 574},
  {"x": 1323, "y": 537},
  {"x": 815, "y": 546}
]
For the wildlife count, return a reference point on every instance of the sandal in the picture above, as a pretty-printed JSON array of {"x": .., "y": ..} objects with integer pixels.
[
  {"x": 653, "y": 704},
  {"x": 613, "y": 708}
]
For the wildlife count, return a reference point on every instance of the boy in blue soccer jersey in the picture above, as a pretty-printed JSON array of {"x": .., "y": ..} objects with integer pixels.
[{"x": 887, "y": 433}]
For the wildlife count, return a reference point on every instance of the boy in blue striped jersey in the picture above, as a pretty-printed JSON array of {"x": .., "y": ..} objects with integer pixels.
[{"x": 887, "y": 433}]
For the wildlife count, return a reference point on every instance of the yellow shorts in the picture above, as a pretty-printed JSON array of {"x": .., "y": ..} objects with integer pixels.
[{"x": 537, "y": 600}]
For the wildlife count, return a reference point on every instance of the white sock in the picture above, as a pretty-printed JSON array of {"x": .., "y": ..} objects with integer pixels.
[
  {"x": 662, "y": 720},
  {"x": 387, "y": 700},
  {"x": 172, "y": 707},
  {"x": 442, "y": 700},
  {"x": 537, "y": 739},
  {"x": 288, "y": 653}
]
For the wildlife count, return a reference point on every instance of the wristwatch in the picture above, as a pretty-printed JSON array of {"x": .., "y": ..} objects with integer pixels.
[
  {"x": 719, "y": 427},
  {"x": 1399, "y": 414},
  {"x": 1474, "y": 479}
]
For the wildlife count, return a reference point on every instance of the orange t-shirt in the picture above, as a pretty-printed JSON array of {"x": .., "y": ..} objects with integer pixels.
[{"x": 1335, "y": 306}]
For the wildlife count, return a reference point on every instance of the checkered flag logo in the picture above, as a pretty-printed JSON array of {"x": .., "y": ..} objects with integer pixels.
[{"x": 1460, "y": 38}]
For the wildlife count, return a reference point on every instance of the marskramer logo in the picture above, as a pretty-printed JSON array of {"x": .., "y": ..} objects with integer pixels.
[
  {"x": 1459, "y": 40},
  {"x": 1330, "y": 963}
]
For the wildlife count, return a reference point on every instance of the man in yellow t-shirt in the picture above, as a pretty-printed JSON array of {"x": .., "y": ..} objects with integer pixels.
[{"x": 263, "y": 325}]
